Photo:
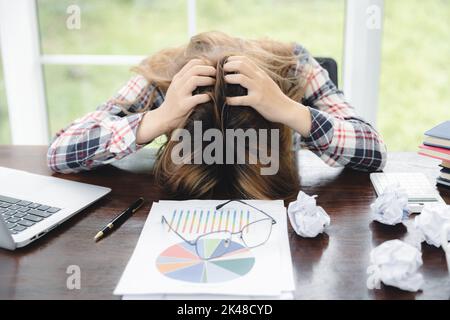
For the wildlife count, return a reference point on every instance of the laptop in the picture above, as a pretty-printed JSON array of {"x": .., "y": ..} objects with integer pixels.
[{"x": 31, "y": 205}]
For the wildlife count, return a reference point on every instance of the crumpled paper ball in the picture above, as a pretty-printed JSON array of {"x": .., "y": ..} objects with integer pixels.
[
  {"x": 430, "y": 222},
  {"x": 307, "y": 219},
  {"x": 391, "y": 207},
  {"x": 395, "y": 263}
]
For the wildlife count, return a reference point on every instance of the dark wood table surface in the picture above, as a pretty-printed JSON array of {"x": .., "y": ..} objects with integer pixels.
[{"x": 331, "y": 266}]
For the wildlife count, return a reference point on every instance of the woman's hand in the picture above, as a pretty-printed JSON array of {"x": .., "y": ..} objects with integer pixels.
[
  {"x": 178, "y": 102},
  {"x": 265, "y": 96}
]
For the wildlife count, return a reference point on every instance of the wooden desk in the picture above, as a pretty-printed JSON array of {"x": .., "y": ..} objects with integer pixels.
[{"x": 332, "y": 266}]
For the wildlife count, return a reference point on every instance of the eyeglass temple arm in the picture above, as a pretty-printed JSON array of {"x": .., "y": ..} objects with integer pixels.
[
  {"x": 164, "y": 220},
  {"x": 265, "y": 213},
  {"x": 220, "y": 206}
]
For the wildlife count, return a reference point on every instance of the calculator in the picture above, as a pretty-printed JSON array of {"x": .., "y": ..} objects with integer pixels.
[{"x": 416, "y": 185}]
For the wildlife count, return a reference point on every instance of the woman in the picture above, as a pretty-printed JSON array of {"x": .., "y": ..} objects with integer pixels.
[{"x": 256, "y": 83}]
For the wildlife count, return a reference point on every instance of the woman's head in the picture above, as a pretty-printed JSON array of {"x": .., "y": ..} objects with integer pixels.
[
  {"x": 238, "y": 172},
  {"x": 275, "y": 58},
  {"x": 236, "y": 178}
]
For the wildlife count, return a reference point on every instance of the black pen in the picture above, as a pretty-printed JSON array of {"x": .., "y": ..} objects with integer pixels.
[{"x": 121, "y": 218}]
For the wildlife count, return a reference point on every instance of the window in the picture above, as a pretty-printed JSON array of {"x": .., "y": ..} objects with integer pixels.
[
  {"x": 415, "y": 74},
  {"x": 112, "y": 27},
  {"x": 124, "y": 27},
  {"x": 318, "y": 25},
  {"x": 138, "y": 27},
  {"x": 73, "y": 91},
  {"x": 414, "y": 78}
]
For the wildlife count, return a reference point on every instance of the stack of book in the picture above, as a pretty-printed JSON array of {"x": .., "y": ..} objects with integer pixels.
[{"x": 436, "y": 144}]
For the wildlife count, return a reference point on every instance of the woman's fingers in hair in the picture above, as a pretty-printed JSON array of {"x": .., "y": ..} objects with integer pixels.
[
  {"x": 200, "y": 70},
  {"x": 197, "y": 99},
  {"x": 240, "y": 66},
  {"x": 188, "y": 66},
  {"x": 191, "y": 64},
  {"x": 239, "y": 101},
  {"x": 198, "y": 81},
  {"x": 238, "y": 78}
]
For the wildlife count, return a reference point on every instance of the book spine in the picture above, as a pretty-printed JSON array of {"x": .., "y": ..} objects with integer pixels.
[
  {"x": 430, "y": 156},
  {"x": 435, "y": 145}
]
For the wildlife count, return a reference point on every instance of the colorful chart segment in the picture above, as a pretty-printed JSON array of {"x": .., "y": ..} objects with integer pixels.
[
  {"x": 204, "y": 221},
  {"x": 181, "y": 262}
]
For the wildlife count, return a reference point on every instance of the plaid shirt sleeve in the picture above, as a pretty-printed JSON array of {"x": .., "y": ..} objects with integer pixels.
[
  {"x": 338, "y": 135},
  {"x": 105, "y": 135}
]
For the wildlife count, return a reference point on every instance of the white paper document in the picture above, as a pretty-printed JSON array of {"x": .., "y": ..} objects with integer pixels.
[{"x": 163, "y": 265}]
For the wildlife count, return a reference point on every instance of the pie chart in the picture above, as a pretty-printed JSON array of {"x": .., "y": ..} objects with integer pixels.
[{"x": 181, "y": 262}]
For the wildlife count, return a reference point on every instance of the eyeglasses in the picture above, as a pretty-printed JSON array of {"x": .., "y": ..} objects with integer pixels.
[{"x": 252, "y": 235}]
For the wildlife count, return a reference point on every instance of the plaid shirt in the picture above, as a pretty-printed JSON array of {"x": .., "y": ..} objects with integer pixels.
[{"x": 338, "y": 135}]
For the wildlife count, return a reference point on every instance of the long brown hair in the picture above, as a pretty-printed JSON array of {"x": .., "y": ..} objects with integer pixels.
[{"x": 225, "y": 180}]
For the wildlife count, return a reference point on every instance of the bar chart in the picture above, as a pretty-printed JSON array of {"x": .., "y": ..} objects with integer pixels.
[{"x": 201, "y": 221}]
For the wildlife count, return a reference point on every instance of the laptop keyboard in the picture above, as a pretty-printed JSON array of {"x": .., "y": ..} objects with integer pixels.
[{"x": 21, "y": 214}]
